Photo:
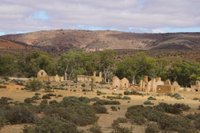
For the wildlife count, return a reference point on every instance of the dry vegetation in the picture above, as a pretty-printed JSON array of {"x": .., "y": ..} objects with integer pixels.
[{"x": 102, "y": 110}]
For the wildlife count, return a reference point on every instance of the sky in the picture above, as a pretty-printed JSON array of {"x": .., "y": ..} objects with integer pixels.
[{"x": 149, "y": 16}]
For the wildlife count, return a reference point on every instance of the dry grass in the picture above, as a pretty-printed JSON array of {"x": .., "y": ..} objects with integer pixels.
[{"x": 105, "y": 120}]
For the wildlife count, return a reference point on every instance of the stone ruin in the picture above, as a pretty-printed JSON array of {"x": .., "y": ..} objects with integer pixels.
[
  {"x": 196, "y": 87},
  {"x": 120, "y": 84},
  {"x": 43, "y": 76},
  {"x": 156, "y": 85},
  {"x": 94, "y": 78}
]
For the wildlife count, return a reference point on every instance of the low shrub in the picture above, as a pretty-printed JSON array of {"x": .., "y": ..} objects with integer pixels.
[
  {"x": 121, "y": 120},
  {"x": 100, "y": 109},
  {"x": 126, "y": 98},
  {"x": 84, "y": 99},
  {"x": 51, "y": 125},
  {"x": 174, "y": 109},
  {"x": 114, "y": 97},
  {"x": 36, "y": 97},
  {"x": 141, "y": 114},
  {"x": 132, "y": 92},
  {"x": 37, "y": 94},
  {"x": 19, "y": 114},
  {"x": 148, "y": 103},
  {"x": 94, "y": 99},
  {"x": 5, "y": 101},
  {"x": 118, "y": 129},
  {"x": 100, "y": 93},
  {"x": 46, "y": 97},
  {"x": 176, "y": 96},
  {"x": 34, "y": 85},
  {"x": 113, "y": 108},
  {"x": 196, "y": 119},
  {"x": 106, "y": 102},
  {"x": 83, "y": 85},
  {"x": 29, "y": 100},
  {"x": 96, "y": 129},
  {"x": 137, "y": 114},
  {"x": 152, "y": 128},
  {"x": 3, "y": 121},
  {"x": 59, "y": 96},
  {"x": 196, "y": 99},
  {"x": 151, "y": 98},
  {"x": 78, "y": 112}
]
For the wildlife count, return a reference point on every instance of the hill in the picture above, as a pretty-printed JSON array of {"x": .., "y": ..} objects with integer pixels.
[
  {"x": 62, "y": 40},
  {"x": 6, "y": 44}
]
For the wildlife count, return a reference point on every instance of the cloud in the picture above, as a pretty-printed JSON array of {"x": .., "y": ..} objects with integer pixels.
[{"x": 126, "y": 15}]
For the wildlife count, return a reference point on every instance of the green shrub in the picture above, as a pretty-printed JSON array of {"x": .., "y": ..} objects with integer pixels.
[
  {"x": 114, "y": 97},
  {"x": 78, "y": 112},
  {"x": 121, "y": 120},
  {"x": 34, "y": 85},
  {"x": 132, "y": 92},
  {"x": 5, "y": 101},
  {"x": 148, "y": 103},
  {"x": 176, "y": 96},
  {"x": 3, "y": 121},
  {"x": 196, "y": 119},
  {"x": 174, "y": 109},
  {"x": 83, "y": 85},
  {"x": 19, "y": 114},
  {"x": 113, "y": 108},
  {"x": 29, "y": 100},
  {"x": 94, "y": 99},
  {"x": 196, "y": 99},
  {"x": 175, "y": 123},
  {"x": 100, "y": 93},
  {"x": 84, "y": 99},
  {"x": 51, "y": 125},
  {"x": 151, "y": 98},
  {"x": 126, "y": 98},
  {"x": 37, "y": 94},
  {"x": 59, "y": 95},
  {"x": 54, "y": 102},
  {"x": 106, "y": 102},
  {"x": 100, "y": 109},
  {"x": 36, "y": 97},
  {"x": 141, "y": 114},
  {"x": 137, "y": 114},
  {"x": 152, "y": 128},
  {"x": 118, "y": 129},
  {"x": 95, "y": 129},
  {"x": 46, "y": 97}
]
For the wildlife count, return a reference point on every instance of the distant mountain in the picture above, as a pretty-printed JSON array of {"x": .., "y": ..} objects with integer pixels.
[{"x": 62, "y": 40}]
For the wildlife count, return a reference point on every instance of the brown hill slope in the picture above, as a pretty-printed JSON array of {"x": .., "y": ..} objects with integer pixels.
[
  {"x": 61, "y": 40},
  {"x": 5, "y": 44}
]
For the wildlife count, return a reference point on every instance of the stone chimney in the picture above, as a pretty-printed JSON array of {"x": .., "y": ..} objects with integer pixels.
[
  {"x": 100, "y": 74},
  {"x": 94, "y": 74},
  {"x": 146, "y": 80}
]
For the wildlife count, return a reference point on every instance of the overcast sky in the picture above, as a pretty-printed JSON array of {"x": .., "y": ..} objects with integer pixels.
[{"x": 18, "y": 16}]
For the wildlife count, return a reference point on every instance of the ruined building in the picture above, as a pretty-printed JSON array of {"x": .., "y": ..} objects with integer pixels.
[
  {"x": 196, "y": 87},
  {"x": 120, "y": 84},
  {"x": 43, "y": 76},
  {"x": 94, "y": 78},
  {"x": 156, "y": 85}
]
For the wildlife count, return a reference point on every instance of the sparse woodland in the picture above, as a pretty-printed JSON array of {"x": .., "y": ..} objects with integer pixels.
[{"x": 76, "y": 62}]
